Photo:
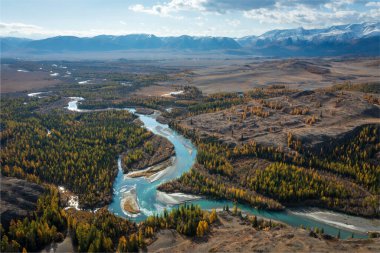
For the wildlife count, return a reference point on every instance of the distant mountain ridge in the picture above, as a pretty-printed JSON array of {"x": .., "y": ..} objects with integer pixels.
[
  {"x": 351, "y": 39},
  {"x": 333, "y": 33},
  {"x": 126, "y": 42}
]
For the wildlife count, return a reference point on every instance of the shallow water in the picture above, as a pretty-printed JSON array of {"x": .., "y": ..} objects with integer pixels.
[{"x": 146, "y": 191}]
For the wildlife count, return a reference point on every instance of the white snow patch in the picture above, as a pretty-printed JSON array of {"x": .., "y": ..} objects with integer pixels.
[
  {"x": 176, "y": 92},
  {"x": 73, "y": 202},
  {"x": 84, "y": 82},
  {"x": 73, "y": 104},
  {"x": 35, "y": 94}
]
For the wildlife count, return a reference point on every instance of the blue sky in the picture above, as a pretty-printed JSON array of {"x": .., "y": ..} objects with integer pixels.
[{"x": 233, "y": 18}]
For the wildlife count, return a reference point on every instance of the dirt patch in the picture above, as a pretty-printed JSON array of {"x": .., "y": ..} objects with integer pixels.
[
  {"x": 13, "y": 80},
  {"x": 155, "y": 90},
  {"x": 243, "y": 75}
]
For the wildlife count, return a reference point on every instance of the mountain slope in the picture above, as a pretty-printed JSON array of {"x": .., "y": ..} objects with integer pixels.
[
  {"x": 10, "y": 43},
  {"x": 333, "y": 33},
  {"x": 357, "y": 39}
]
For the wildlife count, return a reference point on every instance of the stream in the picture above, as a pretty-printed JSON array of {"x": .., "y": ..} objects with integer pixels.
[{"x": 150, "y": 201}]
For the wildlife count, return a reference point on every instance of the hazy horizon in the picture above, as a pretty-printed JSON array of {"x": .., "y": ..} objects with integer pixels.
[
  {"x": 223, "y": 18},
  {"x": 163, "y": 36}
]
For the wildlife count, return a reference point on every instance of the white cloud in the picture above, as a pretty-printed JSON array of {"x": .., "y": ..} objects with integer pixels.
[
  {"x": 32, "y": 31},
  {"x": 223, "y": 6},
  {"x": 371, "y": 15},
  {"x": 37, "y": 32},
  {"x": 308, "y": 13},
  {"x": 233, "y": 22},
  {"x": 373, "y": 4},
  {"x": 19, "y": 27},
  {"x": 307, "y": 16},
  {"x": 338, "y": 4},
  {"x": 169, "y": 8}
]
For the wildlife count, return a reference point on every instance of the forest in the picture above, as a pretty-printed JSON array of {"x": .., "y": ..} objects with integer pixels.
[
  {"x": 77, "y": 151},
  {"x": 332, "y": 179},
  {"x": 188, "y": 220},
  {"x": 354, "y": 158},
  {"x": 198, "y": 181},
  {"x": 99, "y": 231}
]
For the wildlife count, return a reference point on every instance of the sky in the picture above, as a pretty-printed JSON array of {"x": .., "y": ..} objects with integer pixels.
[{"x": 232, "y": 18}]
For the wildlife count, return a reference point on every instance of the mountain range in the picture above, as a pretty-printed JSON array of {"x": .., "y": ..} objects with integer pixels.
[{"x": 351, "y": 39}]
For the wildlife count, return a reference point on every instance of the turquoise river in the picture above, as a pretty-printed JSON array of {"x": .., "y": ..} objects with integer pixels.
[{"x": 151, "y": 201}]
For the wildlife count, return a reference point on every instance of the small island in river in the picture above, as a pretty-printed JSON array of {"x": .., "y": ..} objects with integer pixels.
[{"x": 129, "y": 202}]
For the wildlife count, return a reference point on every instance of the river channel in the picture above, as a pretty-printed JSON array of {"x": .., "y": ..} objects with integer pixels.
[{"x": 150, "y": 201}]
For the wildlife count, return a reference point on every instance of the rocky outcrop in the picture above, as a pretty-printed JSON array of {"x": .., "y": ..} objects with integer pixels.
[
  {"x": 145, "y": 111},
  {"x": 18, "y": 198},
  {"x": 162, "y": 120},
  {"x": 302, "y": 93}
]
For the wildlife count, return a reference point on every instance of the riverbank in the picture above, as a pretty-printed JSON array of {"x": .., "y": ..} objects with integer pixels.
[
  {"x": 339, "y": 219},
  {"x": 152, "y": 170},
  {"x": 232, "y": 234},
  {"x": 175, "y": 198}
]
